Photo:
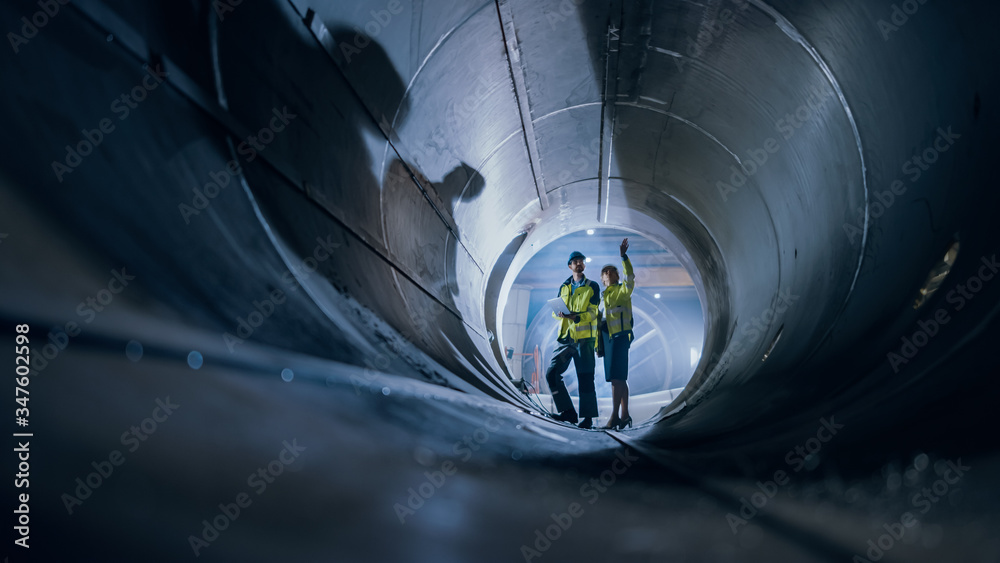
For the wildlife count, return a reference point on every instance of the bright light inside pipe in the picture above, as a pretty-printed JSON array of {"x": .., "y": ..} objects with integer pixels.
[{"x": 668, "y": 318}]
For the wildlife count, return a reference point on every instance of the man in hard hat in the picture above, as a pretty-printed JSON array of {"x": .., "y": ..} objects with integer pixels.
[{"x": 577, "y": 336}]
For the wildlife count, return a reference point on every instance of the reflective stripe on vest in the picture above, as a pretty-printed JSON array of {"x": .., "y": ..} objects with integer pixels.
[
  {"x": 582, "y": 330},
  {"x": 619, "y": 318}
]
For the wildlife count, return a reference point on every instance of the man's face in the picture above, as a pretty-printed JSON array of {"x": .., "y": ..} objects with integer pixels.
[{"x": 577, "y": 265}]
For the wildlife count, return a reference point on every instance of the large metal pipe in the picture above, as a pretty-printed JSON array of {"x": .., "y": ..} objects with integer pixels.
[{"x": 293, "y": 182}]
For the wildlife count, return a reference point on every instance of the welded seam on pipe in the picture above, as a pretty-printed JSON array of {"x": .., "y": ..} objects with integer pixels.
[
  {"x": 789, "y": 30},
  {"x": 482, "y": 165},
  {"x": 513, "y": 50},
  {"x": 446, "y": 220},
  {"x": 786, "y": 27},
  {"x": 724, "y": 78},
  {"x": 409, "y": 86},
  {"x": 566, "y": 109},
  {"x": 793, "y": 33},
  {"x": 485, "y": 374},
  {"x": 213, "y": 40},
  {"x": 311, "y": 22},
  {"x": 124, "y": 35},
  {"x": 433, "y": 50},
  {"x": 702, "y": 131},
  {"x": 319, "y": 31},
  {"x": 279, "y": 248},
  {"x": 103, "y": 18},
  {"x": 687, "y": 122},
  {"x": 608, "y": 108},
  {"x": 699, "y": 392}
]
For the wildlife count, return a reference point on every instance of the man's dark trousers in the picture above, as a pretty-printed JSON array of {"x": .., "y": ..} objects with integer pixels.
[{"x": 582, "y": 354}]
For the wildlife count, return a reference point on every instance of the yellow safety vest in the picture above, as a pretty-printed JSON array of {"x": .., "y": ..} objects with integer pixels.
[
  {"x": 583, "y": 301},
  {"x": 618, "y": 301}
]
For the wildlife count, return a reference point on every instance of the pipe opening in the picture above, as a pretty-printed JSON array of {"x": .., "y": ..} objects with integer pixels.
[{"x": 669, "y": 327}]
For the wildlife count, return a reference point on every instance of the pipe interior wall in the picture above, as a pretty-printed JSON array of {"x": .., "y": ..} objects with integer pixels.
[{"x": 367, "y": 179}]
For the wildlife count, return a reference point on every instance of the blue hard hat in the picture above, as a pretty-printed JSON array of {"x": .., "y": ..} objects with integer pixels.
[{"x": 576, "y": 254}]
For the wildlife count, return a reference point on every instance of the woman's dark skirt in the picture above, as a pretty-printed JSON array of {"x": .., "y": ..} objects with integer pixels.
[{"x": 616, "y": 355}]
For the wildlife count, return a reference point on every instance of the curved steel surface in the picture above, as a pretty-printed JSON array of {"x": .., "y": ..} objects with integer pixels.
[{"x": 342, "y": 193}]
